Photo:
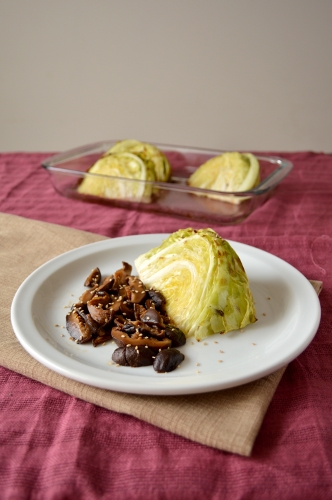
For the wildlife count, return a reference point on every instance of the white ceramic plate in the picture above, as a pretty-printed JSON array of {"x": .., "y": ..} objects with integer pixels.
[{"x": 288, "y": 313}]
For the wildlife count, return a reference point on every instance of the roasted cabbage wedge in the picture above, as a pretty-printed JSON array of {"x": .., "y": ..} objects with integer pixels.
[
  {"x": 108, "y": 184},
  {"x": 203, "y": 280},
  {"x": 150, "y": 154},
  {"x": 228, "y": 172}
]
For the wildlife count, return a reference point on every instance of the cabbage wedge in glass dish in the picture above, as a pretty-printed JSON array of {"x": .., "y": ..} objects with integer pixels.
[
  {"x": 227, "y": 173},
  {"x": 158, "y": 180},
  {"x": 128, "y": 159},
  {"x": 203, "y": 281}
]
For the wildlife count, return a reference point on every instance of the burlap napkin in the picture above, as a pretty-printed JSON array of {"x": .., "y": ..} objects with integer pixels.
[{"x": 228, "y": 420}]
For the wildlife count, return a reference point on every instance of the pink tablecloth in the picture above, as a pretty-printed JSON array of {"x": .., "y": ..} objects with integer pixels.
[{"x": 54, "y": 446}]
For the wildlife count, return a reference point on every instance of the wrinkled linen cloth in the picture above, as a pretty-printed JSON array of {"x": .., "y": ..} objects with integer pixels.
[{"x": 54, "y": 445}]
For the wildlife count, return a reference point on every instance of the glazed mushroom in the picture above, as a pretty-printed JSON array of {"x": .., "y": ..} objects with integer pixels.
[
  {"x": 177, "y": 337},
  {"x": 122, "y": 339},
  {"x": 121, "y": 275},
  {"x": 77, "y": 328},
  {"x": 107, "y": 284},
  {"x": 88, "y": 294},
  {"x": 103, "y": 336},
  {"x": 157, "y": 299},
  {"x": 167, "y": 360},
  {"x": 94, "y": 278},
  {"x": 133, "y": 356},
  {"x": 152, "y": 317},
  {"x": 135, "y": 289},
  {"x": 119, "y": 307},
  {"x": 101, "y": 308}
]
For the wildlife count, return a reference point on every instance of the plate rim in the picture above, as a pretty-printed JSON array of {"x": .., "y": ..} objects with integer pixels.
[{"x": 164, "y": 386}]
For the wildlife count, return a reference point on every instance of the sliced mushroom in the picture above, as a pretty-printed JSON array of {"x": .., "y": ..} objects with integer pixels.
[
  {"x": 87, "y": 318},
  {"x": 101, "y": 338},
  {"x": 151, "y": 331},
  {"x": 152, "y": 317},
  {"x": 139, "y": 310},
  {"x": 157, "y": 299},
  {"x": 167, "y": 360},
  {"x": 80, "y": 307},
  {"x": 100, "y": 309},
  {"x": 107, "y": 284},
  {"x": 135, "y": 289},
  {"x": 122, "y": 292},
  {"x": 122, "y": 274},
  {"x": 77, "y": 328},
  {"x": 119, "y": 356},
  {"x": 94, "y": 277},
  {"x": 88, "y": 295},
  {"x": 121, "y": 338},
  {"x": 127, "y": 310},
  {"x": 139, "y": 356},
  {"x": 177, "y": 337},
  {"x": 129, "y": 328}
]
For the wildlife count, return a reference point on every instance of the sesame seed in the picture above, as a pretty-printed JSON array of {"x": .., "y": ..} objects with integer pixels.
[
  {"x": 146, "y": 346},
  {"x": 123, "y": 336}
]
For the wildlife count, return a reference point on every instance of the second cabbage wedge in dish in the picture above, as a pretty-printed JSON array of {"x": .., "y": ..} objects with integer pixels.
[
  {"x": 228, "y": 172},
  {"x": 203, "y": 281}
]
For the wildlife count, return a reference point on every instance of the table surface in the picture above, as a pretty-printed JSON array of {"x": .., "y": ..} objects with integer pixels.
[{"x": 56, "y": 446}]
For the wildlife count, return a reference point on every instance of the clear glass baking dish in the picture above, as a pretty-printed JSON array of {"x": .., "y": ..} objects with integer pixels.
[{"x": 175, "y": 198}]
